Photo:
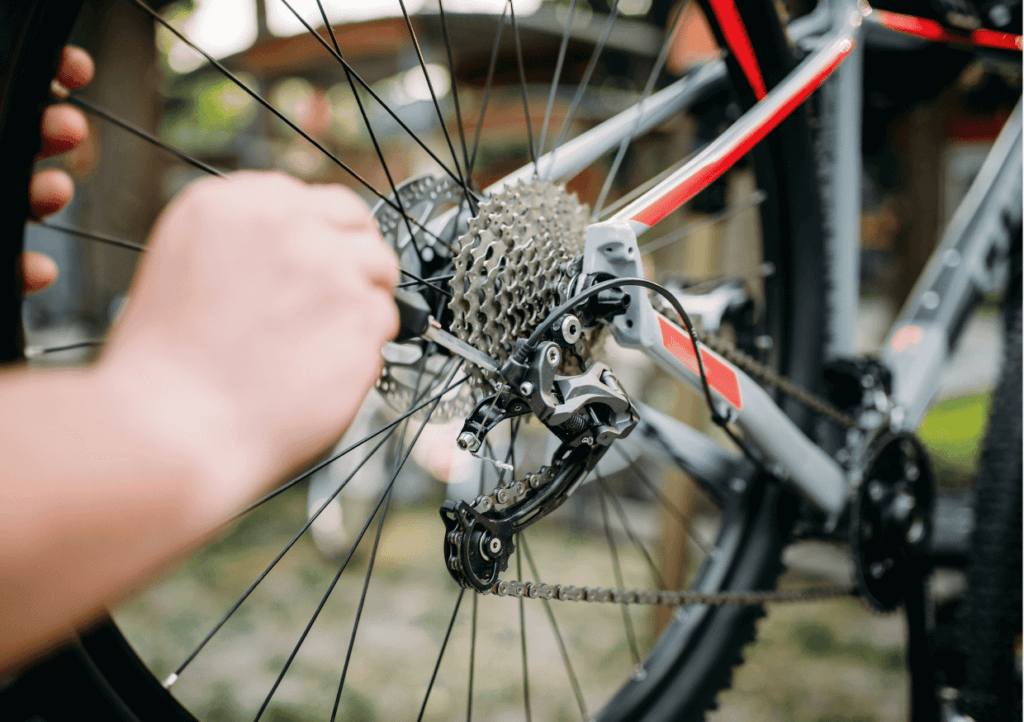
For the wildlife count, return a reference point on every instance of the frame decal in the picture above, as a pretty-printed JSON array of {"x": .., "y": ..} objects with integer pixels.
[
  {"x": 747, "y": 132},
  {"x": 721, "y": 377}
]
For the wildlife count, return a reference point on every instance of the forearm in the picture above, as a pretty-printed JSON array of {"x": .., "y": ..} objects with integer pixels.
[{"x": 105, "y": 477}]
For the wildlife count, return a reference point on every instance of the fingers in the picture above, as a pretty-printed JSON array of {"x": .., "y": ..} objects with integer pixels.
[
  {"x": 64, "y": 128},
  {"x": 38, "y": 271},
  {"x": 76, "y": 68},
  {"x": 49, "y": 191}
]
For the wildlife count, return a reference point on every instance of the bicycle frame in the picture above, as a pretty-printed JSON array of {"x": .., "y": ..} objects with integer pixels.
[{"x": 965, "y": 264}]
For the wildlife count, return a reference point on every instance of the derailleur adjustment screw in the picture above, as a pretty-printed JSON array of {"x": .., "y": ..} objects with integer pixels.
[
  {"x": 526, "y": 388},
  {"x": 467, "y": 441},
  {"x": 587, "y": 440},
  {"x": 571, "y": 329},
  {"x": 553, "y": 355}
]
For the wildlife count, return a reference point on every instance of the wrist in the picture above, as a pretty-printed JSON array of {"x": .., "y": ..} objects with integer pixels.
[{"x": 185, "y": 423}]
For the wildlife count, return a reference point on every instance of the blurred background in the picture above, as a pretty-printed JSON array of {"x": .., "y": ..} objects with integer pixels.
[{"x": 923, "y": 142}]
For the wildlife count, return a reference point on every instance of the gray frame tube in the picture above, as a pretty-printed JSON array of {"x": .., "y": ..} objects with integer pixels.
[{"x": 969, "y": 260}]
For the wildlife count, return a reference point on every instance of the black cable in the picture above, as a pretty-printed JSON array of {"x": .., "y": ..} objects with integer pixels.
[{"x": 530, "y": 346}]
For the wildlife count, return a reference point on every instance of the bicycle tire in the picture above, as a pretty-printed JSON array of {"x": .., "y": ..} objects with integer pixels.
[
  {"x": 990, "y": 617},
  {"x": 694, "y": 658}
]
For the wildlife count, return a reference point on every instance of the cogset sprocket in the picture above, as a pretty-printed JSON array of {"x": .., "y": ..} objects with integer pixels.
[{"x": 510, "y": 264}]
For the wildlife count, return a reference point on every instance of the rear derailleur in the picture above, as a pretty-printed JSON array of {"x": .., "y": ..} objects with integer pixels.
[{"x": 587, "y": 412}]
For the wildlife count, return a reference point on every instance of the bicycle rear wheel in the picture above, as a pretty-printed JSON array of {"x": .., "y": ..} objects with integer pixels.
[{"x": 693, "y": 658}]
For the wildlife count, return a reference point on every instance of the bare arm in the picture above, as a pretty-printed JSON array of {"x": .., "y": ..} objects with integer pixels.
[{"x": 253, "y": 333}]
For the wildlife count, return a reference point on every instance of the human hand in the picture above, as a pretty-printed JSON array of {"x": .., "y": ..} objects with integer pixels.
[
  {"x": 63, "y": 129},
  {"x": 255, "y": 324}
]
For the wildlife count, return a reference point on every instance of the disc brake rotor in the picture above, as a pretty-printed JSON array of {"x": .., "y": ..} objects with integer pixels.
[{"x": 425, "y": 244}]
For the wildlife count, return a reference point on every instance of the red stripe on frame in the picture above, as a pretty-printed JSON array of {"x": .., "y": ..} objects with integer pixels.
[
  {"x": 936, "y": 32},
  {"x": 706, "y": 174},
  {"x": 735, "y": 33},
  {"x": 721, "y": 377}
]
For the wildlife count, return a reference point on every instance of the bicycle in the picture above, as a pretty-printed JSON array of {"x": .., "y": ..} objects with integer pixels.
[{"x": 770, "y": 388}]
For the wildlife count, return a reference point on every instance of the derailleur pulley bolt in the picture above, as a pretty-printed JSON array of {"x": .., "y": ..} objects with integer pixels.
[
  {"x": 467, "y": 442},
  {"x": 494, "y": 545}
]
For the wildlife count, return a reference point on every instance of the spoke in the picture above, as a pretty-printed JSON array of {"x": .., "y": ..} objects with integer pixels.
[
  {"x": 245, "y": 595},
  {"x": 558, "y": 75},
  {"x": 582, "y": 89},
  {"x": 658, "y": 494},
  {"x": 145, "y": 135},
  {"x": 762, "y": 270},
  {"x": 309, "y": 472},
  {"x": 362, "y": 111},
  {"x": 472, "y": 660},
  {"x": 427, "y": 281},
  {"x": 399, "y": 464},
  {"x": 522, "y": 639},
  {"x": 366, "y": 122},
  {"x": 262, "y": 101},
  {"x": 522, "y": 84},
  {"x": 373, "y": 94},
  {"x": 455, "y": 89},
  {"x": 444, "y": 646},
  {"x": 437, "y": 105},
  {"x": 754, "y": 199},
  {"x": 383, "y": 501},
  {"x": 435, "y": 400},
  {"x": 323, "y": 600},
  {"x": 487, "y": 89},
  {"x": 624, "y": 520},
  {"x": 35, "y": 352},
  {"x": 91, "y": 235},
  {"x": 362, "y": 599},
  {"x": 558, "y": 634},
  {"x": 648, "y": 89},
  {"x": 617, "y": 569}
]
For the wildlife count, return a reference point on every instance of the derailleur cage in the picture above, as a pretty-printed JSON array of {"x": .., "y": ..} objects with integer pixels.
[{"x": 476, "y": 549}]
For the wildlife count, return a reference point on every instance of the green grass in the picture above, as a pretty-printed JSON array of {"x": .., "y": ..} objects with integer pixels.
[{"x": 953, "y": 432}]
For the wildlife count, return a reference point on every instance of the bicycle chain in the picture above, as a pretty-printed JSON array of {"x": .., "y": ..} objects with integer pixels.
[
  {"x": 763, "y": 372},
  {"x": 506, "y": 495}
]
